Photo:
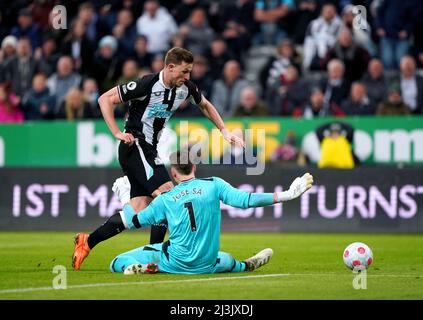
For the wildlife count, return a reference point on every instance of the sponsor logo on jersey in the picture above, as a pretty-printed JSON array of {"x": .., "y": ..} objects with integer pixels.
[
  {"x": 158, "y": 110},
  {"x": 158, "y": 93}
]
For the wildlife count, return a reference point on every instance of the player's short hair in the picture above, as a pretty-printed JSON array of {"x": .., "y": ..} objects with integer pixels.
[
  {"x": 180, "y": 160},
  {"x": 178, "y": 55}
]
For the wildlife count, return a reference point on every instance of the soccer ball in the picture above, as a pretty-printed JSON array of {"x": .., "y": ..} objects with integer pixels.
[{"x": 358, "y": 256}]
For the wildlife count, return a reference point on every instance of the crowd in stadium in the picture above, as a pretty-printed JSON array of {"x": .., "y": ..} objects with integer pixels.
[{"x": 327, "y": 60}]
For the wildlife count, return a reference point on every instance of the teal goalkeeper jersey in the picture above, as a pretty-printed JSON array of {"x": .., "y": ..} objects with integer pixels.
[{"x": 192, "y": 212}]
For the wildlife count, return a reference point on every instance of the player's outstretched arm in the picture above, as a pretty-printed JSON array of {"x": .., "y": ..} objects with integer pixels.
[
  {"x": 241, "y": 199},
  {"x": 107, "y": 101},
  {"x": 210, "y": 112},
  {"x": 297, "y": 188}
]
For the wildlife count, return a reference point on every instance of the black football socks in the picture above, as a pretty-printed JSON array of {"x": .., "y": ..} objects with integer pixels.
[{"x": 107, "y": 230}]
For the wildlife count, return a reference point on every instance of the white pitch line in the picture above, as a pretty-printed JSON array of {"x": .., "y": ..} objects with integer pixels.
[
  {"x": 368, "y": 275},
  {"x": 93, "y": 285},
  {"x": 110, "y": 284}
]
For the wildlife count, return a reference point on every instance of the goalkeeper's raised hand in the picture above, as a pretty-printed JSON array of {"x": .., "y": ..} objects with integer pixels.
[{"x": 297, "y": 188}]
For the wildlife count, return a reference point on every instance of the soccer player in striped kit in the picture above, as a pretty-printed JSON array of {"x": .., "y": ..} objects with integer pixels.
[{"x": 152, "y": 101}]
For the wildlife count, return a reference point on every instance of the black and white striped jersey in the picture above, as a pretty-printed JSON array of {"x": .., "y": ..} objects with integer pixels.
[{"x": 151, "y": 104}]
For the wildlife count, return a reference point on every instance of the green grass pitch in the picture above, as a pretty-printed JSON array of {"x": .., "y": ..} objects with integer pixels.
[{"x": 304, "y": 266}]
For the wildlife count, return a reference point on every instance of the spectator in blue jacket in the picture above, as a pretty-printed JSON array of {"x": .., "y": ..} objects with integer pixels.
[
  {"x": 125, "y": 33},
  {"x": 38, "y": 103},
  {"x": 395, "y": 23},
  {"x": 28, "y": 28}
]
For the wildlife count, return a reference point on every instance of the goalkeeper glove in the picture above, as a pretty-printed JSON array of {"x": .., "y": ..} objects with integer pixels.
[{"x": 297, "y": 188}]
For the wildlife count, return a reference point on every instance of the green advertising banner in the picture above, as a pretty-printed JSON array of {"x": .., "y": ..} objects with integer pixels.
[{"x": 387, "y": 140}]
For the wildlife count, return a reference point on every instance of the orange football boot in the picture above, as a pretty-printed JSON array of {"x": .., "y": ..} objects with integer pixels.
[{"x": 81, "y": 250}]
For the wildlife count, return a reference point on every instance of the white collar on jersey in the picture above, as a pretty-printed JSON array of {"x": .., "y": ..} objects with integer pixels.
[{"x": 161, "y": 80}]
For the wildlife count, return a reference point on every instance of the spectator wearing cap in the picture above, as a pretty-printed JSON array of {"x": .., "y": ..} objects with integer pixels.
[
  {"x": 411, "y": 85},
  {"x": 107, "y": 65},
  {"x": 393, "y": 106},
  {"x": 7, "y": 52},
  {"x": 157, "y": 25},
  {"x": 141, "y": 55},
  {"x": 375, "y": 82},
  {"x": 77, "y": 46},
  {"x": 27, "y": 28},
  {"x": 197, "y": 32},
  {"x": 249, "y": 105},
  {"x": 321, "y": 36},
  {"x": 8, "y": 48},
  {"x": 358, "y": 104},
  {"x": 47, "y": 56},
  {"x": 38, "y": 103},
  {"x": 226, "y": 91},
  {"x": 20, "y": 69},
  {"x": 60, "y": 82}
]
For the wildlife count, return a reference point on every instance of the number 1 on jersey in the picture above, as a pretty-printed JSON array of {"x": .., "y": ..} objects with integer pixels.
[{"x": 188, "y": 205}]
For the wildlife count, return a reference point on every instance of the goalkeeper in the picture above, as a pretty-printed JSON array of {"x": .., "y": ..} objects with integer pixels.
[{"x": 192, "y": 212}]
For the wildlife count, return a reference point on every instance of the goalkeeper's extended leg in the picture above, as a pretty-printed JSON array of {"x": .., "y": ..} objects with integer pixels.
[
  {"x": 226, "y": 262},
  {"x": 145, "y": 259}
]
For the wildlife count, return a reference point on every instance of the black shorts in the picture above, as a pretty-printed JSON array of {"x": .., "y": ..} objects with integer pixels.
[{"x": 145, "y": 171}]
